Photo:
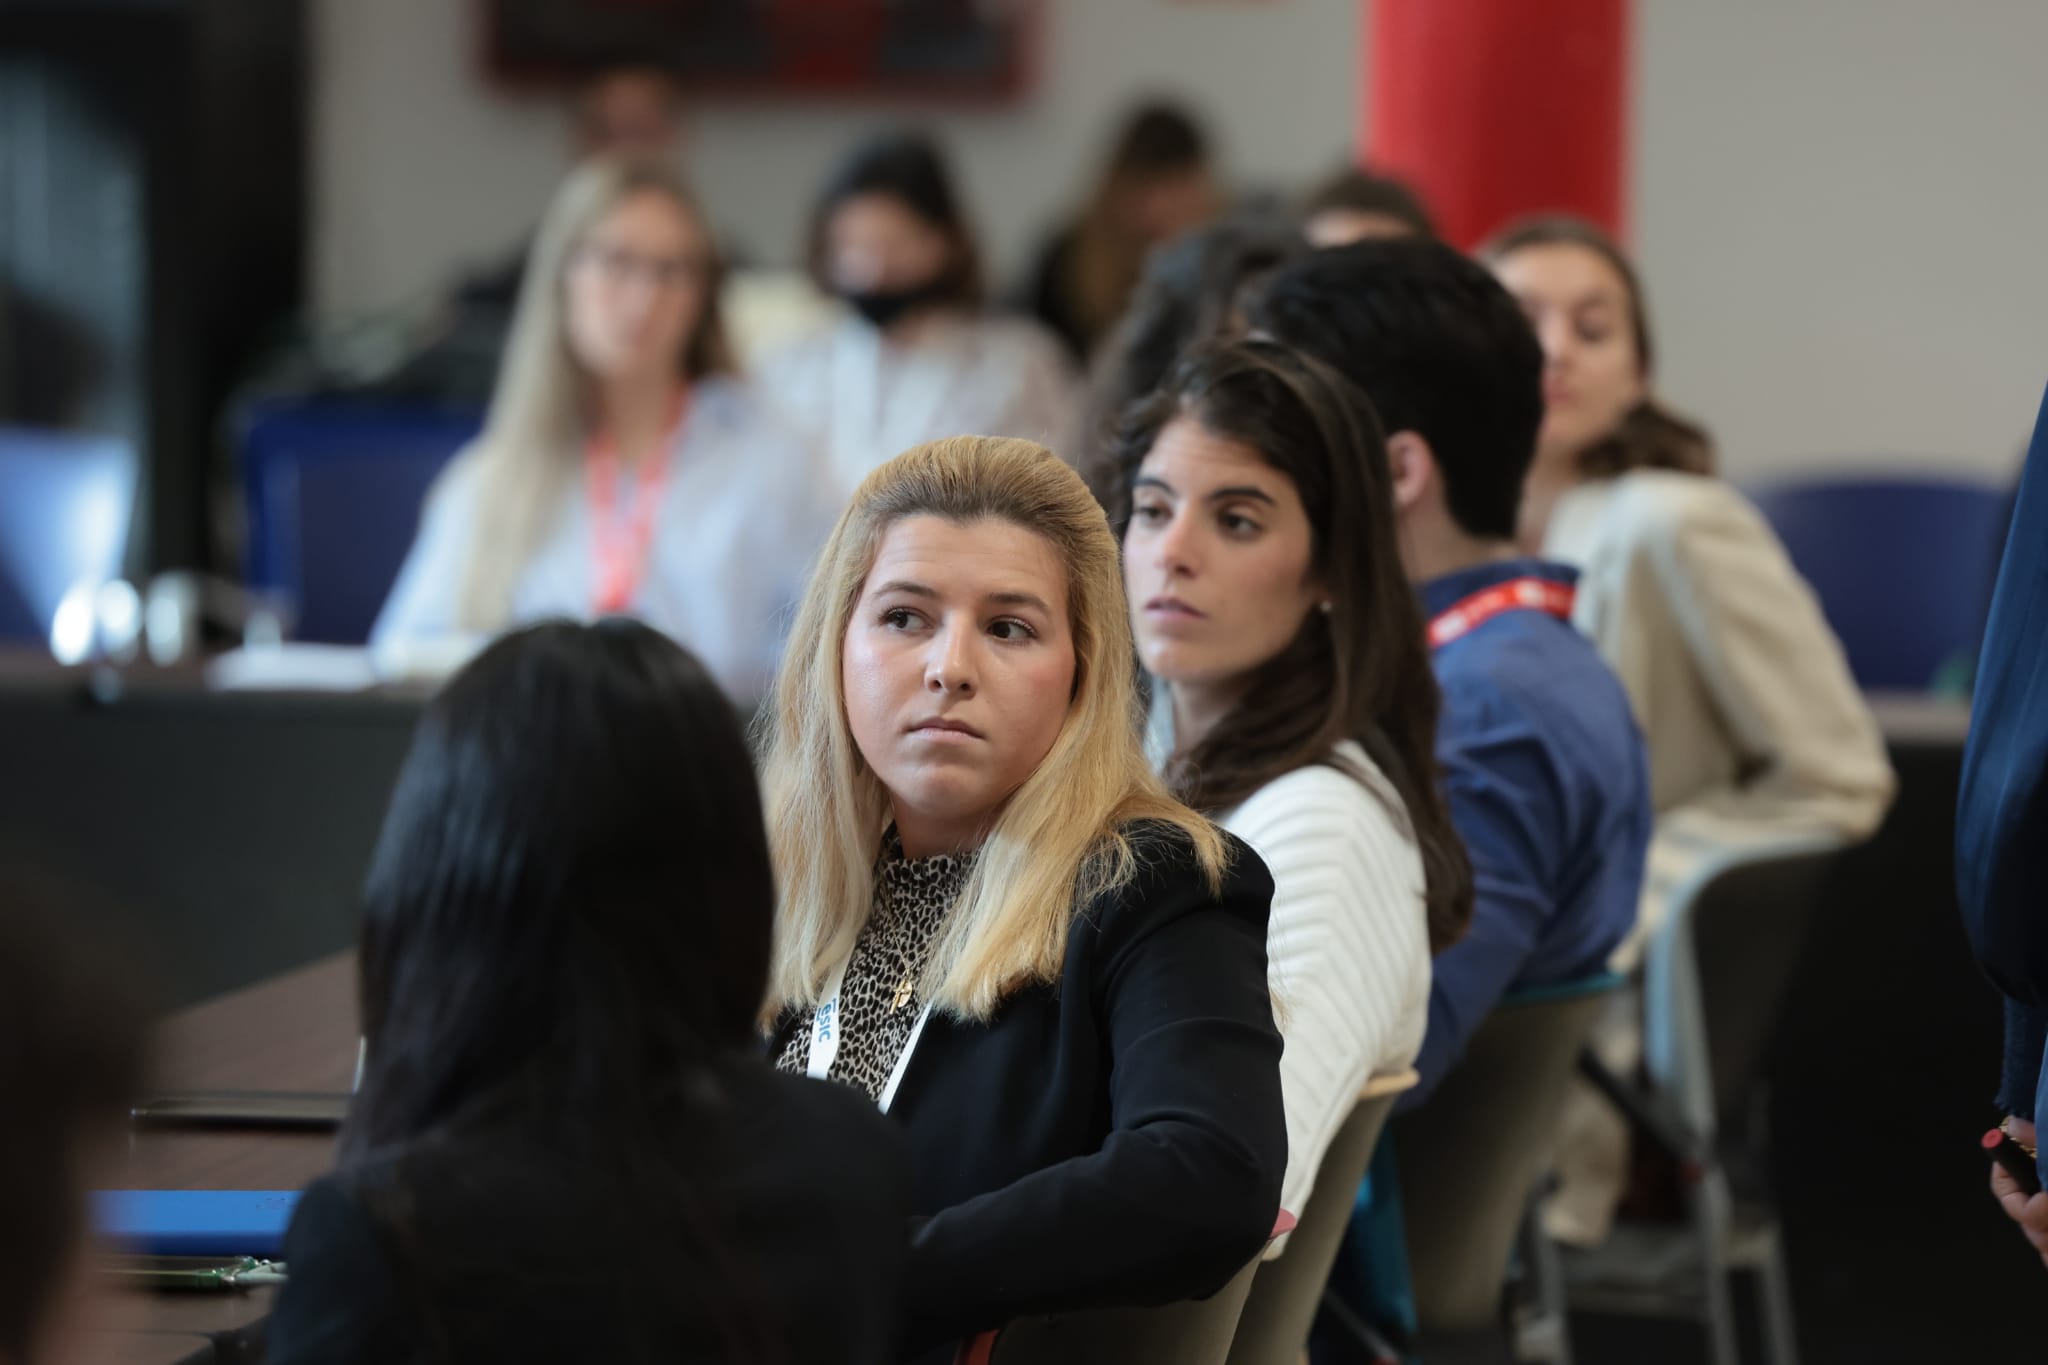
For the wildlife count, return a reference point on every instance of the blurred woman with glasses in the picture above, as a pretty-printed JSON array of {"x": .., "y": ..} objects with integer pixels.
[{"x": 623, "y": 468}]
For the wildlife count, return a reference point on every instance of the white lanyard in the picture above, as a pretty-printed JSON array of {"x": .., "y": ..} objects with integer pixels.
[{"x": 825, "y": 1040}]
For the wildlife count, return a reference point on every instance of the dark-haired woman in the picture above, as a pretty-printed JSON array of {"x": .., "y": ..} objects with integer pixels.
[
  {"x": 1155, "y": 184},
  {"x": 1754, "y": 726},
  {"x": 566, "y": 1146},
  {"x": 914, "y": 356},
  {"x": 1296, "y": 704}
]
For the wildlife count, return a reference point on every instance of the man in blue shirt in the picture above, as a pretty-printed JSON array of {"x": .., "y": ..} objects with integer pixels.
[{"x": 1545, "y": 768}]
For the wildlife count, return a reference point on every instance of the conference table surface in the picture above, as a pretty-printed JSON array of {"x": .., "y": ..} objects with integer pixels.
[{"x": 293, "y": 1032}]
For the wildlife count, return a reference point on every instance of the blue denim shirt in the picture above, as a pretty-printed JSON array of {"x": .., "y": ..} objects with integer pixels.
[{"x": 1549, "y": 787}]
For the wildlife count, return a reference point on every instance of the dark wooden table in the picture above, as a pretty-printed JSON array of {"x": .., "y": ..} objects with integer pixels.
[{"x": 293, "y": 1032}]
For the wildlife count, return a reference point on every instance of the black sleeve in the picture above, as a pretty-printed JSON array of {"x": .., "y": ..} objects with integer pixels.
[
  {"x": 1186, "y": 1187},
  {"x": 339, "y": 1305}
]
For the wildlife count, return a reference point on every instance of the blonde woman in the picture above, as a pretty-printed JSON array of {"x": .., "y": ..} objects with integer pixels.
[
  {"x": 994, "y": 920},
  {"x": 623, "y": 468}
]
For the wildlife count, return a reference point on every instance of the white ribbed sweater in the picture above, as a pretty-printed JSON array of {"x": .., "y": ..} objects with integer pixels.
[{"x": 1347, "y": 945}]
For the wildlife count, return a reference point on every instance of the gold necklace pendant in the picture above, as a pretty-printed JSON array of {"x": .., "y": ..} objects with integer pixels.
[{"x": 902, "y": 996}]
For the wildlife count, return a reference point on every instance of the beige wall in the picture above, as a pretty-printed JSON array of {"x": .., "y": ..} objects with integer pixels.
[
  {"x": 418, "y": 165},
  {"x": 1842, "y": 209}
]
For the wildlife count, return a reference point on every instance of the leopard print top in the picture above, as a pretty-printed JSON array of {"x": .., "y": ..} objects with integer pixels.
[{"x": 879, "y": 1001}]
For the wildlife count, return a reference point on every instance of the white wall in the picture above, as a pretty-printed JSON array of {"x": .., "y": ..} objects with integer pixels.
[
  {"x": 1842, "y": 211},
  {"x": 1838, "y": 203},
  {"x": 419, "y": 165}
]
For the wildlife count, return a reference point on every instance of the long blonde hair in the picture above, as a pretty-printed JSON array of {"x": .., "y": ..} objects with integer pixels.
[
  {"x": 1059, "y": 842},
  {"x": 524, "y": 461}
]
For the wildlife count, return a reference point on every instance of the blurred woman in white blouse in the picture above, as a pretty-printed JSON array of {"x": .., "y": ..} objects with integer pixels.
[
  {"x": 1755, "y": 728},
  {"x": 913, "y": 356},
  {"x": 1295, "y": 702},
  {"x": 623, "y": 467}
]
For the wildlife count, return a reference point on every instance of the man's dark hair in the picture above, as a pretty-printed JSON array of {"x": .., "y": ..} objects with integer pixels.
[
  {"x": 69, "y": 1066},
  {"x": 1441, "y": 349}
]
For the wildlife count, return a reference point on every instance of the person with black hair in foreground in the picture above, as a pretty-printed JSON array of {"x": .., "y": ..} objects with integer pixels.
[
  {"x": 567, "y": 1146},
  {"x": 70, "y": 1063}
]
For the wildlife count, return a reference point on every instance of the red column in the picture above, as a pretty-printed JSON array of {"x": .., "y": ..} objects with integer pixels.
[{"x": 1496, "y": 108}]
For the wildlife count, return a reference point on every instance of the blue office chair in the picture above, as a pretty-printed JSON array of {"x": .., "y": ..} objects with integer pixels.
[
  {"x": 1903, "y": 567},
  {"x": 66, "y": 501},
  {"x": 332, "y": 490}
]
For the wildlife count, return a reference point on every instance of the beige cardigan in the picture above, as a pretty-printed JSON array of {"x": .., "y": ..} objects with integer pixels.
[{"x": 1754, "y": 726}]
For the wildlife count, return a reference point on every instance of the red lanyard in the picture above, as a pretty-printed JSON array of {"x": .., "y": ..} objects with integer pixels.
[
  {"x": 621, "y": 537},
  {"x": 1517, "y": 594}
]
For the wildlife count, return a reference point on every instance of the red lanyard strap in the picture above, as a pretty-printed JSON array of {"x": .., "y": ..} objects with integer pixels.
[
  {"x": 622, "y": 536},
  {"x": 1517, "y": 594}
]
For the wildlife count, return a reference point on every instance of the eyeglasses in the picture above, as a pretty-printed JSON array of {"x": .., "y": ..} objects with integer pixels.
[{"x": 620, "y": 266}]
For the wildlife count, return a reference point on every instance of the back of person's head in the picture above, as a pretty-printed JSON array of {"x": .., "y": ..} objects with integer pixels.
[
  {"x": 1056, "y": 842},
  {"x": 1191, "y": 290},
  {"x": 70, "y": 1066},
  {"x": 629, "y": 108},
  {"x": 1357, "y": 666},
  {"x": 1158, "y": 138},
  {"x": 569, "y": 908},
  {"x": 1441, "y": 349},
  {"x": 543, "y": 403},
  {"x": 1354, "y": 205},
  {"x": 908, "y": 170},
  {"x": 1155, "y": 185},
  {"x": 1648, "y": 435}
]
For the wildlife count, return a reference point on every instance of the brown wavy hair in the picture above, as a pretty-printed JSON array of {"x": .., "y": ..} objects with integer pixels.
[
  {"x": 1360, "y": 671},
  {"x": 1650, "y": 435}
]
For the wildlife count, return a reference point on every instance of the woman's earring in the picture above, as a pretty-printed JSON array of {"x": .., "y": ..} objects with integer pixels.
[{"x": 1326, "y": 606}]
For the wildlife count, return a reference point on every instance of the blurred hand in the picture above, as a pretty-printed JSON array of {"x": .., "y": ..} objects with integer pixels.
[{"x": 2030, "y": 1212}]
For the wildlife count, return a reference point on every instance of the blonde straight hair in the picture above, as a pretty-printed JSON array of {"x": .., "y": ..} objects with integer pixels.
[
  {"x": 1060, "y": 840},
  {"x": 526, "y": 460}
]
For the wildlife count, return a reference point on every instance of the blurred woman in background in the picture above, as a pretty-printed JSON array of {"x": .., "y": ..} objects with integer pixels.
[
  {"x": 1356, "y": 205},
  {"x": 914, "y": 355},
  {"x": 566, "y": 1145},
  {"x": 1295, "y": 702},
  {"x": 1189, "y": 293},
  {"x": 995, "y": 922},
  {"x": 623, "y": 468},
  {"x": 1755, "y": 728},
  {"x": 1156, "y": 184}
]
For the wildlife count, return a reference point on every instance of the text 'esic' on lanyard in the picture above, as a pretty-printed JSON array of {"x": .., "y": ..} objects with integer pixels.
[{"x": 1467, "y": 614}]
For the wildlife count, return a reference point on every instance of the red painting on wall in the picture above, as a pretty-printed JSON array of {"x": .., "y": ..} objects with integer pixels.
[{"x": 972, "y": 49}]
